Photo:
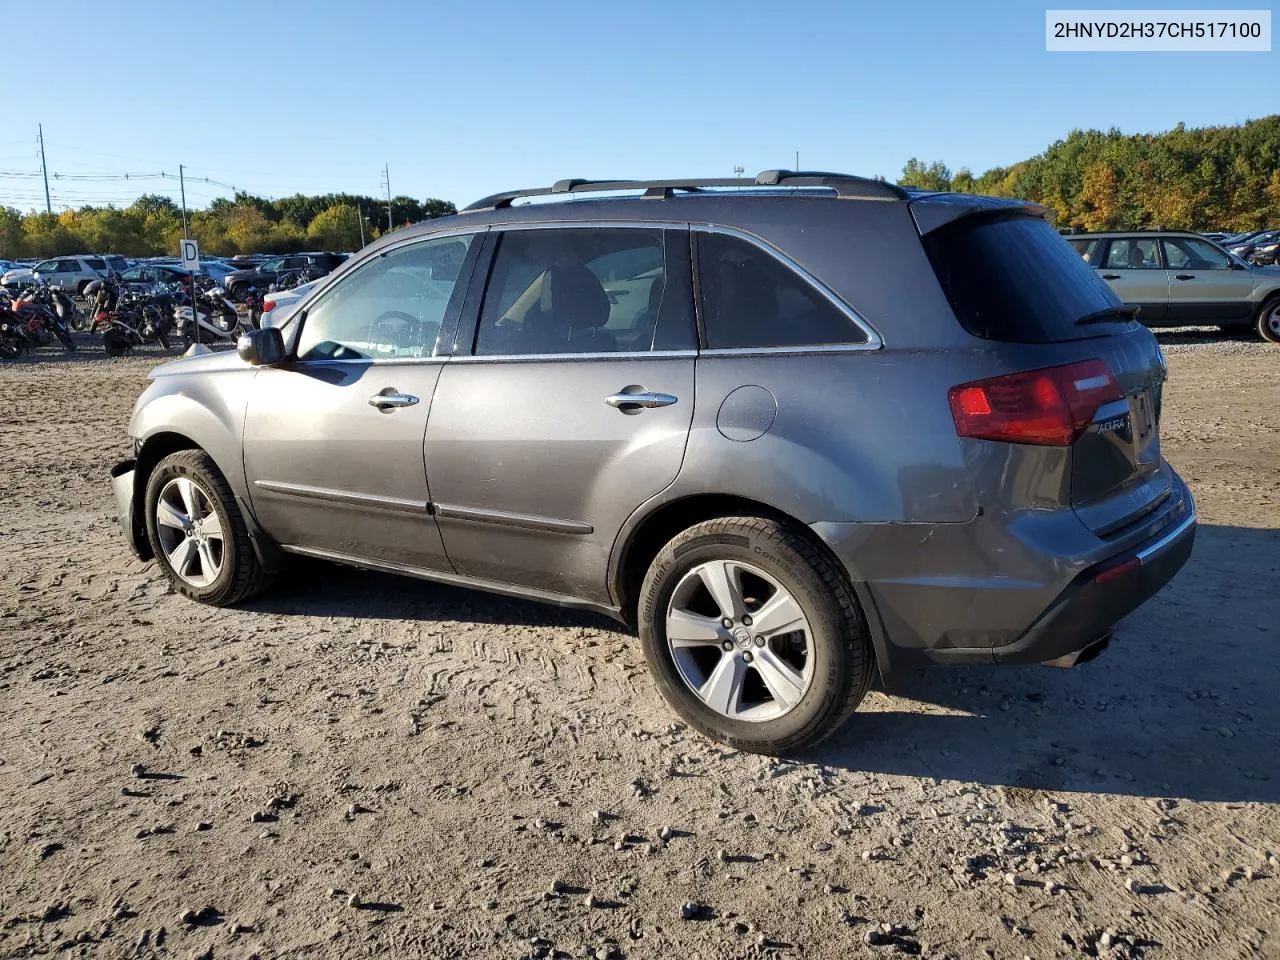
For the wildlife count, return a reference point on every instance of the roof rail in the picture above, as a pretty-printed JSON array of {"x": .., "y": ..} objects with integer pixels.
[{"x": 846, "y": 186}]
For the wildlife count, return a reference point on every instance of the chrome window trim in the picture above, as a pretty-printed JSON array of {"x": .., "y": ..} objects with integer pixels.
[
  {"x": 873, "y": 342},
  {"x": 374, "y": 362},
  {"x": 588, "y": 224},
  {"x": 552, "y": 357}
]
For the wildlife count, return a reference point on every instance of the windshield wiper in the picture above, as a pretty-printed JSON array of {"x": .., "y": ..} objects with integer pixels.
[{"x": 1126, "y": 310}]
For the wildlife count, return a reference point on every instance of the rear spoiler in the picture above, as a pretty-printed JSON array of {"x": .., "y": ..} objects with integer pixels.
[{"x": 935, "y": 210}]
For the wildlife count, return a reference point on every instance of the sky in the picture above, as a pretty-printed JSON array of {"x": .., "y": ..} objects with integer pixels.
[{"x": 468, "y": 98}]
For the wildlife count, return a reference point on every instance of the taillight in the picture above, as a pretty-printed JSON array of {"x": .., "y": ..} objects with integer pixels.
[
  {"x": 1051, "y": 406},
  {"x": 268, "y": 306}
]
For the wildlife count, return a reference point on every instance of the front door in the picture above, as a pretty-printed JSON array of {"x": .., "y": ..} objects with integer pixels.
[
  {"x": 573, "y": 407},
  {"x": 333, "y": 439},
  {"x": 1204, "y": 286},
  {"x": 1132, "y": 266}
]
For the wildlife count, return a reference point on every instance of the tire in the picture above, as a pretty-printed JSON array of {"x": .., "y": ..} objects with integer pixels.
[
  {"x": 220, "y": 569},
  {"x": 80, "y": 287},
  {"x": 115, "y": 344},
  {"x": 64, "y": 338},
  {"x": 164, "y": 341},
  {"x": 772, "y": 560},
  {"x": 1268, "y": 320},
  {"x": 237, "y": 291}
]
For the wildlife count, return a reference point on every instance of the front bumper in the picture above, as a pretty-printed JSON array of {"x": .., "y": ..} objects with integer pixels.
[{"x": 131, "y": 520}]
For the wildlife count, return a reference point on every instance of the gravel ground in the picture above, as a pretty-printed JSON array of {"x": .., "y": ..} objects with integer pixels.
[{"x": 357, "y": 764}]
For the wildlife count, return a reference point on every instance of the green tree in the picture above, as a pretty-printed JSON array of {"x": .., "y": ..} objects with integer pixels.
[
  {"x": 932, "y": 176},
  {"x": 335, "y": 228}
]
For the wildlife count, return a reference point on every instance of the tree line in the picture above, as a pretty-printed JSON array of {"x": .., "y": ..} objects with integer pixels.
[
  {"x": 1207, "y": 178},
  {"x": 152, "y": 225}
]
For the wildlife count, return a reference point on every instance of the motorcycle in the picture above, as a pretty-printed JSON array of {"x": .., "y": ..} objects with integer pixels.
[
  {"x": 213, "y": 318},
  {"x": 60, "y": 303},
  {"x": 130, "y": 318},
  {"x": 34, "y": 324}
]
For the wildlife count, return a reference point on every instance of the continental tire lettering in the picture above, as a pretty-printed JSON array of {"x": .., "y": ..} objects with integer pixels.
[{"x": 762, "y": 552}]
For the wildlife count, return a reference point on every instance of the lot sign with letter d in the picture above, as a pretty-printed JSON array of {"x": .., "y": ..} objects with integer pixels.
[{"x": 190, "y": 255}]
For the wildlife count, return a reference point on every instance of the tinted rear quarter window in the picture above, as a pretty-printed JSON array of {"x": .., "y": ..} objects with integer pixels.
[
  {"x": 750, "y": 298},
  {"x": 1015, "y": 279}
]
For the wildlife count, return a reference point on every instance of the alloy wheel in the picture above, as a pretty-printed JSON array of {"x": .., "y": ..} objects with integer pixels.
[
  {"x": 190, "y": 531},
  {"x": 739, "y": 640}
]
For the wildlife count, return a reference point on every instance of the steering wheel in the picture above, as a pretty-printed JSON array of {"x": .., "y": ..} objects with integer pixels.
[{"x": 397, "y": 337}]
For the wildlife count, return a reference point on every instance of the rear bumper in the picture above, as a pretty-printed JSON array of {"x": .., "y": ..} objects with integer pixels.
[
  {"x": 131, "y": 522},
  {"x": 1032, "y": 589},
  {"x": 1102, "y": 596}
]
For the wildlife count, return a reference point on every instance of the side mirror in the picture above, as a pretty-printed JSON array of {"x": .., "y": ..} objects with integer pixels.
[{"x": 261, "y": 348}]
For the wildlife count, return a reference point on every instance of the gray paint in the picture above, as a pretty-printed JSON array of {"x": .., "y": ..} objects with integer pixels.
[{"x": 513, "y": 474}]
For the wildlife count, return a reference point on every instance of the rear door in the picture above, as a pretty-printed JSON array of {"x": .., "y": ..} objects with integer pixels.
[
  {"x": 1133, "y": 267},
  {"x": 1205, "y": 286},
  {"x": 567, "y": 405},
  {"x": 333, "y": 440}
]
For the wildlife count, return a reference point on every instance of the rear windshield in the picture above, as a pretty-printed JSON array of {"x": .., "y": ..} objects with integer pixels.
[{"x": 1014, "y": 278}]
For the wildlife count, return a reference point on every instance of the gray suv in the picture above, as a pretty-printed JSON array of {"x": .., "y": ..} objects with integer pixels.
[{"x": 795, "y": 431}]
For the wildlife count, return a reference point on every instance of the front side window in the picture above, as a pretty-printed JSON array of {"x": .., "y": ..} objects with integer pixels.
[
  {"x": 587, "y": 290},
  {"x": 752, "y": 299},
  {"x": 1187, "y": 253},
  {"x": 392, "y": 306},
  {"x": 1132, "y": 254},
  {"x": 273, "y": 264},
  {"x": 48, "y": 266}
]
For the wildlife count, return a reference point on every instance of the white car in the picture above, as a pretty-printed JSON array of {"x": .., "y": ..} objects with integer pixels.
[{"x": 278, "y": 305}]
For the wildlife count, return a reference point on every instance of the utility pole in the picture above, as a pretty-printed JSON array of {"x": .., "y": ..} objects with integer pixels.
[
  {"x": 360, "y": 221},
  {"x": 48, "y": 207},
  {"x": 182, "y": 186},
  {"x": 386, "y": 173},
  {"x": 797, "y": 161}
]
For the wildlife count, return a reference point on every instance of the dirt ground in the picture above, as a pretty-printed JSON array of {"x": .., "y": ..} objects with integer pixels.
[{"x": 359, "y": 765}]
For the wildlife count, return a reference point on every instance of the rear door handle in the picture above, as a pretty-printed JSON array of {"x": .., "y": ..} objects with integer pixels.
[
  {"x": 640, "y": 400},
  {"x": 1185, "y": 276},
  {"x": 391, "y": 398},
  {"x": 1111, "y": 276}
]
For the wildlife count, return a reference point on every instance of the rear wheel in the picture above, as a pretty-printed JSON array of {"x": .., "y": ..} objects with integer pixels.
[
  {"x": 115, "y": 343},
  {"x": 753, "y": 634},
  {"x": 1269, "y": 319},
  {"x": 197, "y": 532}
]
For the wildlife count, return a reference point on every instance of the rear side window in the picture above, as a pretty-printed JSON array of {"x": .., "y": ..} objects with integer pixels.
[
  {"x": 96, "y": 263},
  {"x": 1015, "y": 279},
  {"x": 1132, "y": 254},
  {"x": 752, "y": 299},
  {"x": 587, "y": 290}
]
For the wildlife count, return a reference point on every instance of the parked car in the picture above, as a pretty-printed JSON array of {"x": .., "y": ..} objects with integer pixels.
[
  {"x": 1259, "y": 248},
  {"x": 1180, "y": 278},
  {"x": 71, "y": 274},
  {"x": 262, "y": 276},
  {"x": 921, "y": 428},
  {"x": 279, "y": 305}
]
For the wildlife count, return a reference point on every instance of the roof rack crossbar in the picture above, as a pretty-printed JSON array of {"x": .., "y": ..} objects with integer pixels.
[{"x": 846, "y": 186}]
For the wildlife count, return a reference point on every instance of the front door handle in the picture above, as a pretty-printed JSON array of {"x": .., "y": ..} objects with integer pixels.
[
  {"x": 1185, "y": 276},
  {"x": 1111, "y": 276},
  {"x": 635, "y": 399},
  {"x": 390, "y": 398}
]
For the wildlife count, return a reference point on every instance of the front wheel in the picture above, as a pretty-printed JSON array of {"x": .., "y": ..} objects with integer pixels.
[
  {"x": 197, "y": 532},
  {"x": 753, "y": 634},
  {"x": 1269, "y": 319}
]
